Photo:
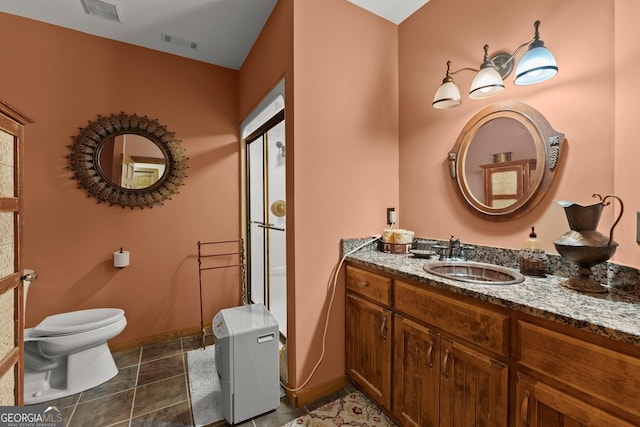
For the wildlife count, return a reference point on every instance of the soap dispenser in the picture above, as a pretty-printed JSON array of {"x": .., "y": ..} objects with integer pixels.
[
  {"x": 533, "y": 260},
  {"x": 532, "y": 241}
]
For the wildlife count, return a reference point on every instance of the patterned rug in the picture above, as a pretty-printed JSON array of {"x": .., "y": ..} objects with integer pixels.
[{"x": 353, "y": 409}]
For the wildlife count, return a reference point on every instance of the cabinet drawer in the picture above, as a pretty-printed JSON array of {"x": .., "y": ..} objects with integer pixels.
[
  {"x": 480, "y": 326},
  {"x": 370, "y": 285},
  {"x": 610, "y": 376}
]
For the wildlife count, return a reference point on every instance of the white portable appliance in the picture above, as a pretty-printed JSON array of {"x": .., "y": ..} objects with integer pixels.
[{"x": 246, "y": 356}]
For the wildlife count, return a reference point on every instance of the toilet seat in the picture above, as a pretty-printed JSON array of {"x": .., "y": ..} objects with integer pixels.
[{"x": 76, "y": 321}]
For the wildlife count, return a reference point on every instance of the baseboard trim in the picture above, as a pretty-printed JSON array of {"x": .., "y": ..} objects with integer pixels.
[
  {"x": 153, "y": 339},
  {"x": 305, "y": 396}
]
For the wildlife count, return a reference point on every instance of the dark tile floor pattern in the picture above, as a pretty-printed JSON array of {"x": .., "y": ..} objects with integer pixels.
[{"x": 152, "y": 390}]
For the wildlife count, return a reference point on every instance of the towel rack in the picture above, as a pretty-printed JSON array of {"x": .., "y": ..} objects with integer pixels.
[{"x": 210, "y": 257}]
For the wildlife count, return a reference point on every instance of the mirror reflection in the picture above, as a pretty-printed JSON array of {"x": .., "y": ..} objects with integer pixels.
[
  {"x": 500, "y": 162},
  {"x": 131, "y": 161},
  {"x": 505, "y": 159}
]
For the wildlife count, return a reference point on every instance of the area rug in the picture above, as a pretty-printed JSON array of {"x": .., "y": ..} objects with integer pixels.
[
  {"x": 204, "y": 386},
  {"x": 353, "y": 409}
]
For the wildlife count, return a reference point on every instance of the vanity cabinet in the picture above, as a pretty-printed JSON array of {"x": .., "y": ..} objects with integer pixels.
[
  {"x": 416, "y": 376},
  {"x": 369, "y": 323},
  {"x": 458, "y": 361},
  {"x": 593, "y": 376},
  {"x": 473, "y": 387},
  {"x": 540, "y": 405},
  {"x": 440, "y": 380}
]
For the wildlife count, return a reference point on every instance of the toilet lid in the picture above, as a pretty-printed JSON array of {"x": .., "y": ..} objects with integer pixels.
[{"x": 77, "y": 321}]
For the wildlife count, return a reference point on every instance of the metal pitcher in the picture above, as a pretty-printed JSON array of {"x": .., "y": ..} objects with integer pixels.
[{"x": 584, "y": 245}]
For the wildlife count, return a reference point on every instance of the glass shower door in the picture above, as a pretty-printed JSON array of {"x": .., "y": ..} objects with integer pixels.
[
  {"x": 276, "y": 231},
  {"x": 267, "y": 218}
]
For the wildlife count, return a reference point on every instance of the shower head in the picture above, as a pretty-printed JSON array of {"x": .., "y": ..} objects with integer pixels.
[{"x": 281, "y": 147}]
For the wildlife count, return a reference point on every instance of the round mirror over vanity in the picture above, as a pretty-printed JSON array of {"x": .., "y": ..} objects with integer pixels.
[
  {"x": 504, "y": 160},
  {"x": 128, "y": 160}
]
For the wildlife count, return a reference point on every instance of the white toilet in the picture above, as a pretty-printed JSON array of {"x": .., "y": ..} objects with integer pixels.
[{"x": 68, "y": 353}]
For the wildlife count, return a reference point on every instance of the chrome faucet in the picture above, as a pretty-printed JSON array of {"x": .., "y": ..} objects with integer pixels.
[{"x": 454, "y": 248}]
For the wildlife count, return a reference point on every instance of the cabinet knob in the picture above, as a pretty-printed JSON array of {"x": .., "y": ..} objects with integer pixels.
[
  {"x": 524, "y": 409},
  {"x": 430, "y": 355},
  {"x": 445, "y": 364},
  {"x": 383, "y": 329}
]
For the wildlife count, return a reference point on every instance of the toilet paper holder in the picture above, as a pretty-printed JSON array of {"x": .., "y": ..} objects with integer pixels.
[{"x": 121, "y": 258}]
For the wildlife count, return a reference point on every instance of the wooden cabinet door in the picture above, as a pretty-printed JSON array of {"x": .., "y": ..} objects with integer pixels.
[
  {"x": 416, "y": 374},
  {"x": 473, "y": 388},
  {"x": 506, "y": 182},
  {"x": 368, "y": 348},
  {"x": 539, "y": 405}
]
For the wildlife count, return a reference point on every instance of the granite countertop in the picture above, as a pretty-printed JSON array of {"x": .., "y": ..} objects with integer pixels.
[{"x": 615, "y": 315}]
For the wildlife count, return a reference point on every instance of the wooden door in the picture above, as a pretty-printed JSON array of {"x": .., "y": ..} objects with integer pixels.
[
  {"x": 539, "y": 405},
  {"x": 368, "y": 348},
  {"x": 416, "y": 374},
  {"x": 127, "y": 175},
  {"x": 12, "y": 124},
  {"x": 473, "y": 388}
]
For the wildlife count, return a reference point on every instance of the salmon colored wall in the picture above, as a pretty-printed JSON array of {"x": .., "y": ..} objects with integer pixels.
[
  {"x": 627, "y": 149},
  {"x": 340, "y": 64},
  {"x": 63, "y": 79},
  {"x": 346, "y": 158},
  {"x": 269, "y": 61},
  {"x": 579, "y": 102}
]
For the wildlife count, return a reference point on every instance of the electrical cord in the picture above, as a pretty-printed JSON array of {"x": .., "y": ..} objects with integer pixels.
[{"x": 333, "y": 279}]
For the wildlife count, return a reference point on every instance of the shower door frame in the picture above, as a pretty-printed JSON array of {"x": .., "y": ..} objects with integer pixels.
[{"x": 261, "y": 132}]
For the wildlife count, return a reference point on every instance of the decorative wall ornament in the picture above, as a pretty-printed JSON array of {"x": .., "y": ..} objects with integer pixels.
[{"x": 89, "y": 143}]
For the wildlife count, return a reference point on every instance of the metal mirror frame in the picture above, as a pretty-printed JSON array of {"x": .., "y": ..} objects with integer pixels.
[
  {"x": 548, "y": 145},
  {"x": 88, "y": 143}
]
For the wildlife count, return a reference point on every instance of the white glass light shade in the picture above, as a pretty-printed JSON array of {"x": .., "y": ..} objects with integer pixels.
[
  {"x": 447, "y": 96},
  {"x": 536, "y": 66},
  {"x": 486, "y": 83}
]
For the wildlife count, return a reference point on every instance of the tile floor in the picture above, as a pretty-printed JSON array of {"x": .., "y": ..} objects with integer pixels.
[{"x": 152, "y": 390}]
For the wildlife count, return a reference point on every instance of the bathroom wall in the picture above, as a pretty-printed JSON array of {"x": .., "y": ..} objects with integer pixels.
[
  {"x": 63, "y": 79},
  {"x": 591, "y": 100},
  {"x": 340, "y": 65},
  {"x": 269, "y": 61},
  {"x": 346, "y": 157},
  {"x": 627, "y": 151}
]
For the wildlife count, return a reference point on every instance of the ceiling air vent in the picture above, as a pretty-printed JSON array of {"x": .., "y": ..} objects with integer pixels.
[
  {"x": 107, "y": 9},
  {"x": 180, "y": 42}
]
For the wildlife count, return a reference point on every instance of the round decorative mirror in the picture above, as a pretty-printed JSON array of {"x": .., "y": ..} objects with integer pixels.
[
  {"x": 504, "y": 159},
  {"x": 128, "y": 160}
]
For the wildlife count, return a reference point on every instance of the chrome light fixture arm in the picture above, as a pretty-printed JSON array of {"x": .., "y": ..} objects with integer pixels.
[
  {"x": 536, "y": 66},
  {"x": 503, "y": 64},
  {"x": 451, "y": 73}
]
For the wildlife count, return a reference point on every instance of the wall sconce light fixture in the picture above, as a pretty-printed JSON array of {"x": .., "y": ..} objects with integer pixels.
[{"x": 536, "y": 66}]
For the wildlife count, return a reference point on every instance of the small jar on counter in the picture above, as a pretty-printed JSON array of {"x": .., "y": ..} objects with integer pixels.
[{"x": 533, "y": 260}]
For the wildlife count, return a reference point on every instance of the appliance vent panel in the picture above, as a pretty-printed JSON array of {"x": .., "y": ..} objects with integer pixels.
[
  {"x": 180, "y": 42},
  {"x": 103, "y": 9}
]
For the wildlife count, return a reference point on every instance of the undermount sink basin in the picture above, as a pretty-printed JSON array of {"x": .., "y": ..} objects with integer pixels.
[{"x": 474, "y": 272}]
